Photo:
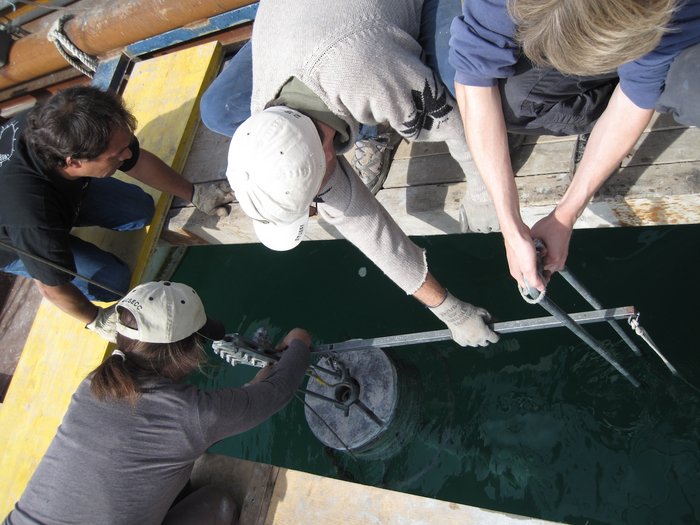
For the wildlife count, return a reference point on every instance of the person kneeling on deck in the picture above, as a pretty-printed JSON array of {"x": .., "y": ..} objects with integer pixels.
[
  {"x": 320, "y": 68},
  {"x": 281, "y": 163},
  {"x": 56, "y": 167},
  {"x": 560, "y": 67},
  {"x": 128, "y": 442}
]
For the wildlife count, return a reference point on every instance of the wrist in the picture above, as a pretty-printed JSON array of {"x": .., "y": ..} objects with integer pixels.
[
  {"x": 441, "y": 301},
  {"x": 566, "y": 215}
]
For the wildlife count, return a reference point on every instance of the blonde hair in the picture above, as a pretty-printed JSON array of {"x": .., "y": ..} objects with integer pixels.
[{"x": 589, "y": 37}]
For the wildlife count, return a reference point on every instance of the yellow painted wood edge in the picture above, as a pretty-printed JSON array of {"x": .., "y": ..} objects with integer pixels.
[{"x": 178, "y": 161}]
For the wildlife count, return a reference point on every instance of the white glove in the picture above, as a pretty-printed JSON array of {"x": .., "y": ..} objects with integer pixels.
[
  {"x": 211, "y": 198},
  {"x": 105, "y": 323},
  {"x": 467, "y": 323}
]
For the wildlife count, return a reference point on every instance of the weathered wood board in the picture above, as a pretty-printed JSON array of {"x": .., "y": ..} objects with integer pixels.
[{"x": 658, "y": 183}]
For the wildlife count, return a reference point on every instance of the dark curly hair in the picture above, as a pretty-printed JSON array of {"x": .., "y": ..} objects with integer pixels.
[{"x": 77, "y": 122}]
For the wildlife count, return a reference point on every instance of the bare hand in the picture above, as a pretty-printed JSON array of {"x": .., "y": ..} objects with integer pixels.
[
  {"x": 296, "y": 333},
  {"x": 556, "y": 234},
  {"x": 522, "y": 260}
]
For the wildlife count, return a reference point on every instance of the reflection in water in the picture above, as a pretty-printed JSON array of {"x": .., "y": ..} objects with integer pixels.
[{"x": 537, "y": 424}]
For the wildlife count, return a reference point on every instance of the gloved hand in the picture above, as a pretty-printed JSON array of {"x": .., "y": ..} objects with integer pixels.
[
  {"x": 467, "y": 323},
  {"x": 211, "y": 198},
  {"x": 105, "y": 323}
]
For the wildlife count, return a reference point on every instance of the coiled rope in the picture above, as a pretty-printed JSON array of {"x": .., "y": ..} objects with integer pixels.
[{"x": 83, "y": 62}]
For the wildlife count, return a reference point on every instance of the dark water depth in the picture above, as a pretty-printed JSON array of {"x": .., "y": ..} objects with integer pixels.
[{"x": 537, "y": 424}]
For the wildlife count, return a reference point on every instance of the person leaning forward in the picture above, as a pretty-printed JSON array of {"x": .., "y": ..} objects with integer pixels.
[
  {"x": 551, "y": 67},
  {"x": 56, "y": 167},
  {"x": 132, "y": 432},
  {"x": 319, "y": 69}
]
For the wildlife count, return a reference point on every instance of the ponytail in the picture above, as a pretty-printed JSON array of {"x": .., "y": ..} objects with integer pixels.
[
  {"x": 121, "y": 374},
  {"x": 113, "y": 379}
]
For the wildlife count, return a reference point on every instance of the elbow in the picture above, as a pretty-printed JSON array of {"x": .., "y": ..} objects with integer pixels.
[{"x": 46, "y": 291}]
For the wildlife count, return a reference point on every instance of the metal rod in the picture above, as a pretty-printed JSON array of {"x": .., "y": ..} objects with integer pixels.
[
  {"x": 586, "y": 294},
  {"x": 19, "y": 251},
  {"x": 507, "y": 327},
  {"x": 641, "y": 332},
  {"x": 582, "y": 334}
]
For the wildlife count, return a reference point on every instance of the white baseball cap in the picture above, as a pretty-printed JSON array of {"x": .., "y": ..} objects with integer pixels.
[
  {"x": 167, "y": 312},
  {"x": 276, "y": 165}
]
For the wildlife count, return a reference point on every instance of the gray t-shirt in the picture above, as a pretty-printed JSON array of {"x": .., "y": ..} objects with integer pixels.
[{"x": 114, "y": 463}]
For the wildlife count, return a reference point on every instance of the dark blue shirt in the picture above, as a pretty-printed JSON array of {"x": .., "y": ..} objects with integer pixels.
[
  {"x": 39, "y": 207},
  {"x": 483, "y": 49}
]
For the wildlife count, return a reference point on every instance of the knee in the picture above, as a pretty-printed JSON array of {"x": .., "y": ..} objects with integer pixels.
[
  {"x": 220, "y": 505},
  {"x": 116, "y": 276},
  {"x": 682, "y": 85},
  {"x": 143, "y": 209}
]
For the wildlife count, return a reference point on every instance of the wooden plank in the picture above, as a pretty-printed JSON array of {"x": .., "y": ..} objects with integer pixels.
[
  {"x": 441, "y": 168},
  {"x": 258, "y": 496},
  {"x": 667, "y": 146},
  {"x": 299, "y": 497},
  {"x": 637, "y": 195},
  {"x": 162, "y": 93},
  {"x": 249, "y": 483}
]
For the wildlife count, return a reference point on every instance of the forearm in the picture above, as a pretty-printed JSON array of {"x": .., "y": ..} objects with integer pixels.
[
  {"x": 235, "y": 410},
  {"x": 363, "y": 221},
  {"x": 431, "y": 293},
  {"x": 70, "y": 300},
  {"x": 155, "y": 173},
  {"x": 485, "y": 131},
  {"x": 614, "y": 135}
]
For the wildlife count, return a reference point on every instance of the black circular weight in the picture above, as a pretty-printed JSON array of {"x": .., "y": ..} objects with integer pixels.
[{"x": 371, "y": 410}]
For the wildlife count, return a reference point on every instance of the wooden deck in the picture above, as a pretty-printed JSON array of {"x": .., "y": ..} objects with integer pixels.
[
  {"x": 269, "y": 495},
  {"x": 657, "y": 184},
  {"x": 59, "y": 352}
]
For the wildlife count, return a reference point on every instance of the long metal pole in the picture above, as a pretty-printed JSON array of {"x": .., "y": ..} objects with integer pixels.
[
  {"x": 559, "y": 314},
  {"x": 583, "y": 291},
  {"x": 507, "y": 327}
]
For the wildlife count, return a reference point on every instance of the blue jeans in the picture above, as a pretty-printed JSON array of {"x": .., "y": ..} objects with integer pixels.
[
  {"x": 226, "y": 102},
  {"x": 109, "y": 203},
  {"x": 434, "y": 37}
]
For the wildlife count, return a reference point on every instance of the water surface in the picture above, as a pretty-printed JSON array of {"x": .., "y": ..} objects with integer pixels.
[{"x": 537, "y": 424}]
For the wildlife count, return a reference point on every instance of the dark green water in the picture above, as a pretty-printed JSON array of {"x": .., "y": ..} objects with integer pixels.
[{"x": 536, "y": 424}]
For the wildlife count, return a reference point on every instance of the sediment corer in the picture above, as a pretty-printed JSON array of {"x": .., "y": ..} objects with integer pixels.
[{"x": 533, "y": 296}]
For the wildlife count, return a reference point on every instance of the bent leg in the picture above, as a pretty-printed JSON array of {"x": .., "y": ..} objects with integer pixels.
[
  {"x": 115, "y": 204},
  {"x": 680, "y": 96},
  {"x": 434, "y": 38},
  {"x": 93, "y": 263},
  {"x": 226, "y": 102},
  {"x": 205, "y": 505},
  {"x": 102, "y": 267},
  {"x": 542, "y": 101}
]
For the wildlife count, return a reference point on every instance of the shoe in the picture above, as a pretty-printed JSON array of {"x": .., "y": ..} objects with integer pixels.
[
  {"x": 577, "y": 153},
  {"x": 372, "y": 159}
]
